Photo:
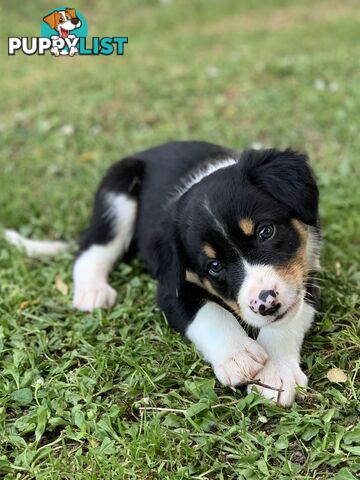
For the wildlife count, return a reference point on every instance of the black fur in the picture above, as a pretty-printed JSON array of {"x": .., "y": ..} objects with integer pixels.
[{"x": 286, "y": 177}]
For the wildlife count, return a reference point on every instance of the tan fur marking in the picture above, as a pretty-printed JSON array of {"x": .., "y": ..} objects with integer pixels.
[
  {"x": 206, "y": 284},
  {"x": 193, "y": 278},
  {"x": 232, "y": 304},
  {"x": 210, "y": 288},
  {"x": 247, "y": 226},
  {"x": 295, "y": 270},
  {"x": 208, "y": 250}
]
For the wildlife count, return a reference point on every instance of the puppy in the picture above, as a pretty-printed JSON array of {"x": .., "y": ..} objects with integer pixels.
[
  {"x": 63, "y": 21},
  {"x": 232, "y": 239}
]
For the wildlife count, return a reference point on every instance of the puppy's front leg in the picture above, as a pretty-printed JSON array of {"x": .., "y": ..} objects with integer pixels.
[
  {"x": 217, "y": 334},
  {"x": 283, "y": 340}
]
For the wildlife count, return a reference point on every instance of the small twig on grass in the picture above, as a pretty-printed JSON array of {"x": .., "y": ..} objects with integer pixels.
[
  {"x": 161, "y": 409},
  {"x": 261, "y": 384},
  {"x": 250, "y": 382},
  {"x": 77, "y": 447},
  {"x": 229, "y": 404}
]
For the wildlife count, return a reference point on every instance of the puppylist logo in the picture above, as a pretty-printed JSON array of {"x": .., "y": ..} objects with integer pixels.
[{"x": 64, "y": 33}]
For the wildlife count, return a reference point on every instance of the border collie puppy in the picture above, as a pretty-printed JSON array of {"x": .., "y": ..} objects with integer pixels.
[{"x": 232, "y": 239}]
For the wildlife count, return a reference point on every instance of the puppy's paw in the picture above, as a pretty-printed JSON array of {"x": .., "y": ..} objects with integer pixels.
[
  {"x": 285, "y": 376},
  {"x": 242, "y": 365},
  {"x": 96, "y": 295}
]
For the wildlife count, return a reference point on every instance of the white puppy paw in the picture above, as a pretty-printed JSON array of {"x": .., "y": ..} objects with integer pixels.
[
  {"x": 242, "y": 365},
  {"x": 95, "y": 295},
  {"x": 286, "y": 376}
]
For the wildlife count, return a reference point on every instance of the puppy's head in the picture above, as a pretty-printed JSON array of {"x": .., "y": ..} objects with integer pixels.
[
  {"x": 249, "y": 234},
  {"x": 63, "y": 21}
]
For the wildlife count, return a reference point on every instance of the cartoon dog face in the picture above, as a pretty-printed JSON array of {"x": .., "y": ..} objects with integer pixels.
[{"x": 63, "y": 21}]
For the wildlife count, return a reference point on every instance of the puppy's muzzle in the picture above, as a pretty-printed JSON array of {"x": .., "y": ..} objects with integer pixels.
[{"x": 75, "y": 20}]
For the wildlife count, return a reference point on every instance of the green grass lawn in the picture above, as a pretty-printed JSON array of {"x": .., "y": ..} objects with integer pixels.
[{"x": 79, "y": 392}]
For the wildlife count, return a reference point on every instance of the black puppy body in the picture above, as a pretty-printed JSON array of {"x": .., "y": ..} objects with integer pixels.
[{"x": 227, "y": 235}]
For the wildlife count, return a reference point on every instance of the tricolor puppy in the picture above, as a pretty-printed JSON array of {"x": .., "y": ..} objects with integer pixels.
[
  {"x": 233, "y": 241},
  {"x": 228, "y": 235},
  {"x": 63, "y": 21}
]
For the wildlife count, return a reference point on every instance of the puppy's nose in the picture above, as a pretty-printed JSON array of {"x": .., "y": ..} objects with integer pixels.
[
  {"x": 264, "y": 294},
  {"x": 75, "y": 21},
  {"x": 266, "y": 303}
]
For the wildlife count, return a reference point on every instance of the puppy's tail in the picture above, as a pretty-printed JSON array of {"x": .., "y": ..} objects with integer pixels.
[{"x": 36, "y": 248}]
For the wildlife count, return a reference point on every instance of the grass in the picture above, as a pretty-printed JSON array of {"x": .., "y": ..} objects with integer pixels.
[{"x": 78, "y": 391}]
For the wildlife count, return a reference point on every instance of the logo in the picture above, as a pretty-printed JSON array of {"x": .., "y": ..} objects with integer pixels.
[{"x": 64, "y": 33}]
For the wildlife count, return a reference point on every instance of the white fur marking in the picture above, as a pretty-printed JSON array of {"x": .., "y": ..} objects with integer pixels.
[
  {"x": 35, "y": 248},
  {"x": 92, "y": 267},
  {"x": 224, "y": 343},
  {"x": 198, "y": 175},
  {"x": 283, "y": 340}
]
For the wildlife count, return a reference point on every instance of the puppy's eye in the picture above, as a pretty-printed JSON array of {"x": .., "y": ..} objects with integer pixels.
[
  {"x": 61, "y": 20},
  {"x": 265, "y": 232},
  {"x": 214, "y": 268}
]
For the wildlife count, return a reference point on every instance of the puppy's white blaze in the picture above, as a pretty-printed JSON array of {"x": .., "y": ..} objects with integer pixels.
[
  {"x": 92, "y": 267},
  {"x": 216, "y": 333},
  {"x": 198, "y": 175},
  {"x": 35, "y": 248}
]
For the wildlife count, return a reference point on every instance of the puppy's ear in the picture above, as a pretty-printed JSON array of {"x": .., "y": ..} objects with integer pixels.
[
  {"x": 71, "y": 12},
  {"x": 286, "y": 176},
  {"x": 52, "y": 19}
]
